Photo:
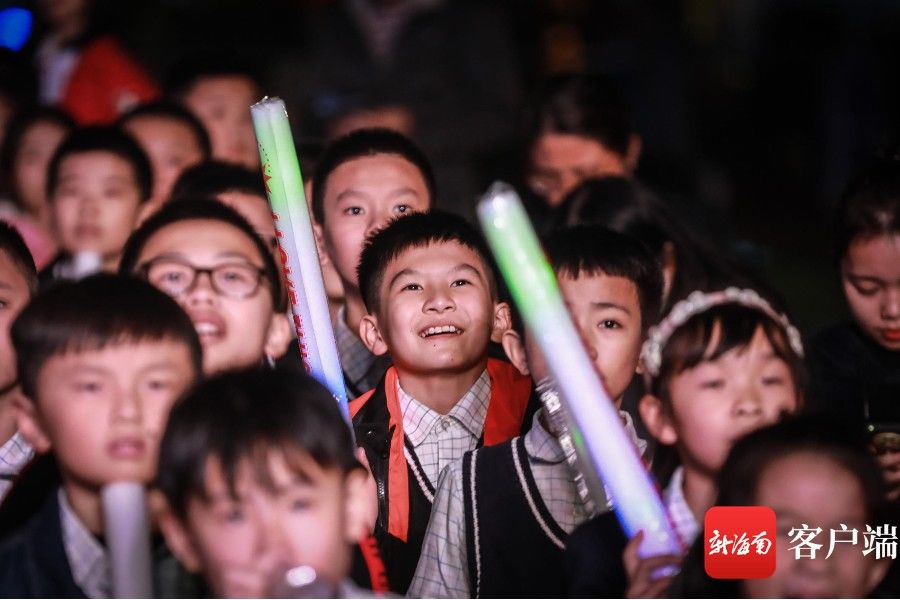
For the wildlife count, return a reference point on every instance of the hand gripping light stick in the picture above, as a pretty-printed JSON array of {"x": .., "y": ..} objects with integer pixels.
[
  {"x": 300, "y": 259},
  {"x": 596, "y": 428}
]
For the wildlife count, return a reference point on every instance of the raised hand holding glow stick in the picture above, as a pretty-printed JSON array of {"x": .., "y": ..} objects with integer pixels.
[
  {"x": 128, "y": 539},
  {"x": 596, "y": 427},
  {"x": 300, "y": 259}
]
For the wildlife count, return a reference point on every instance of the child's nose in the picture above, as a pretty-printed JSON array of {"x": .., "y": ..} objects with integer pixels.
[
  {"x": 439, "y": 300},
  {"x": 201, "y": 292},
  {"x": 890, "y": 305},
  {"x": 128, "y": 407}
]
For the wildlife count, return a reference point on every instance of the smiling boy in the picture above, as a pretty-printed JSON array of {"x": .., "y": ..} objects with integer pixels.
[{"x": 432, "y": 301}]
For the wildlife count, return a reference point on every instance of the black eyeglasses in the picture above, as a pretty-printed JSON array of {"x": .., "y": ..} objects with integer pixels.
[{"x": 237, "y": 280}]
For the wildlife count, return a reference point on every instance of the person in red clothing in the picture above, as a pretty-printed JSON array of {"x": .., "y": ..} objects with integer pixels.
[
  {"x": 87, "y": 73},
  {"x": 432, "y": 299}
]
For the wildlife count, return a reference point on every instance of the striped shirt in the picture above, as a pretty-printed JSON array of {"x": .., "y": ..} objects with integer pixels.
[{"x": 87, "y": 557}]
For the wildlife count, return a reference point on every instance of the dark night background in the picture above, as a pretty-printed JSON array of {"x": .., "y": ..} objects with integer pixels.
[{"x": 754, "y": 113}]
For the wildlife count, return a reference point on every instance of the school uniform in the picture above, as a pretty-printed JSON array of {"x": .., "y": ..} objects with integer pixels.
[
  {"x": 501, "y": 519},
  {"x": 593, "y": 561},
  {"x": 55, "y": 556},
  {"x": 407, "y": 445},
  {"x": 14, "y": 455}
]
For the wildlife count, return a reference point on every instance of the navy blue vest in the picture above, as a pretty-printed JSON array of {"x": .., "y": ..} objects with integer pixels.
[{"x": 515, "y": 547}]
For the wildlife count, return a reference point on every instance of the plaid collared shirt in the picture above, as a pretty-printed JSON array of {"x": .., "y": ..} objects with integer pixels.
[
  {"x": 14, "y": 455},
  {"x": 442, "y": 571},
  {"x": 682, "y": 517},
  {"x": 362, "y": 368},
  {"x": 439, "y": 440},
  {"x": 87, "y": 557}
]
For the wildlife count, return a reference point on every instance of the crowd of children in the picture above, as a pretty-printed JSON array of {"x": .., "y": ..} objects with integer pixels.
[{"x": 145, "y": 336}]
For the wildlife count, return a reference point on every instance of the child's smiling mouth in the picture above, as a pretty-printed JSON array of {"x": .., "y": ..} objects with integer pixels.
[{"x": 440, "y": 330}]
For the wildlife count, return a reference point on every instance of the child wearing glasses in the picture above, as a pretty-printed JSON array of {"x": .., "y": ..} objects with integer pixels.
[{"x": 207, "y": 257}]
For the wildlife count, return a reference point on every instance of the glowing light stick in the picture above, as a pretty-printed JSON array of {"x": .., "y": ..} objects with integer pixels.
[
  {"x": 128, "y": 539},
  {"x": 299, "y": 257},
  {"x": 596, "y": 428}
]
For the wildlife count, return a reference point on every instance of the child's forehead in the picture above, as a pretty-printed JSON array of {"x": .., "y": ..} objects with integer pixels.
[
  {"x": 266, "y": 469},
  {"x": 11, "y": 276},
  {"x": 589, "y": 285},
  {"x": 437, "y": 255},
  {"x": 89, "y": 161},
  {"x": 200, "y": 235}
]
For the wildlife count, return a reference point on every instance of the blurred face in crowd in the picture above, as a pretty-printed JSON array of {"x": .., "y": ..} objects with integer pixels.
[
  {"x": 30, "y": 167},
  {"x": 243, "y": 539},
  {"x": 96, "y": 204},
  {"x": 232, "y": 308},
  {"x": 14, "y": 295},
  {"x": 811, "y": 490},
  {"x": 171, "y": 146},
  {"x": 561, "y": 161},
  {"x": 258, "y": 213},
  {"x": 870, "y": 274},
  {"x": 103, "y": 411},
  {"x": 361, "y": 196},
  {"x": 223, "y": 106}
]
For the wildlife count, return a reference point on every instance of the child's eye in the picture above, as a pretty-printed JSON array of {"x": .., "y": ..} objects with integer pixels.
[
  {"x": 300, "y": 504},
  {"x": 609, "y": 324},
  {"x": 459, "y": 282},
  {"x": 412, "y": 287},
  {"x": 88, "y": 387},
  {"x": 712, "y": 384},
  {"x": 353, "y": 211},
  {"x": 159, "y": 385},
  {"x": 402, "y": 208},
  {"x": 866, "y": 289},
  {"x": 3, "y": 304},
  {"x": 233, "y": 515},
  {"x": 775, "y": 380}
]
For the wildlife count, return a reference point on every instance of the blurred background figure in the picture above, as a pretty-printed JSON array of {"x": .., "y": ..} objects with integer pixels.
[
  {"x": 441, "y": 72},
  {"x": 84, "y": 68}
]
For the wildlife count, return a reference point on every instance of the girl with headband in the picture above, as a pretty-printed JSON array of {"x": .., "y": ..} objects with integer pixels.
[{"x": 719, "y": 366}]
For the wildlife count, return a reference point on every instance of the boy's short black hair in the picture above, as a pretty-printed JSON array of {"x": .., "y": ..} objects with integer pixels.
[
  {"x": 103, "y": 139},
  {"x": 362, "y": 143},
  {"x": 200, "y": 209},
  {"x": 164, "y": 109},
  {"x": 244, "y": 416},
  {"x": 92, "y": 314},
  {"x": 12, "y": 244},
  {"x": 18, "y": 127},
  {"x": 191, "y": 70},
  {"x": 213, "y": 177},
  {"x": 588, "y": 250},
  {"x": 585, "y": 105},
  {"x": 869, "y": 207},
  {"x": 417, "y": 230}
]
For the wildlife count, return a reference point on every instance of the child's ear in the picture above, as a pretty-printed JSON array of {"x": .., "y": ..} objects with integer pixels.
[
  {"x": 657, "y": 420},
  {"x": 176, "y": 535},
  {"x": 357, "y": 506},
  {"x": 370, "y": 334},
  {"x": 514, "y": 347},
  {"x": 502, "y": 320},
  {"x": 633, "y": 153},
  {"x": 29, "y": 424},
  {"x": 324, "y": 258},
  {"x": 278, "y": 336}
]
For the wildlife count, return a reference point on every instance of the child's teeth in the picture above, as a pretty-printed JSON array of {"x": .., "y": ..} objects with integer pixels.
[
  {"x": 442, "y": 329},
  {"x": 206, "y": 328}
]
